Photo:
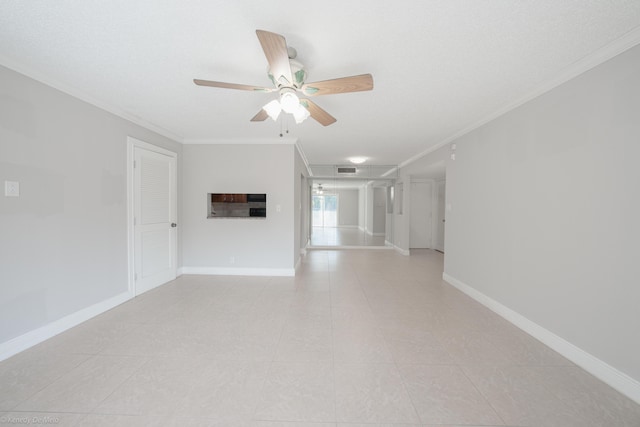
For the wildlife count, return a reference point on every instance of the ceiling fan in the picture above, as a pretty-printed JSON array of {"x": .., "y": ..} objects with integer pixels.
[{"x": 288, "y": 77}]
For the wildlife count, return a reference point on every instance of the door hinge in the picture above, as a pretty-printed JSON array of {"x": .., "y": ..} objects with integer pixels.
[
  {"x": 135, "y": 221},
  {"x": 135, "y": 277},
  {"x": 134, "y": 164}
]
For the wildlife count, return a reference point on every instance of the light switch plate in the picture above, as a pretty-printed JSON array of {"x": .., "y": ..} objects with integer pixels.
[{"x": 11, "y": 189}]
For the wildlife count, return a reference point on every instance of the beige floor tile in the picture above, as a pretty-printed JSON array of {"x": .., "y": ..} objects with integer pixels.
[
  {"x": 424, "y": 350},
  {"x": 29, "y": 372},
  {"x": 444, "y": 395},
  {"x": 106, "y": 420},
  {"x": 300, "y": 392},
  {"x": 580, "y": 391},
  {"x": 356, "y": 338},
  {"x": 290, "y": 424},
  {"x": 83, "y": 388},
  {"x": 520, "y": 399},
  {"x": 360, "y": 344},
  {"x": 198, "y": 388},
  {"x": 305, "y": 344},
  {"x": 378, "y": 425},
  {"x": 468, "y": 347},
  {"x": 41, "y": 419},
  {"x": 372, "y": 393},
  {"x": 90, "y": 337}
]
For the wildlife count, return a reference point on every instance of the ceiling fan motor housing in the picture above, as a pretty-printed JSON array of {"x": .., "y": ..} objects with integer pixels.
[{"x": 298, "y": 73}]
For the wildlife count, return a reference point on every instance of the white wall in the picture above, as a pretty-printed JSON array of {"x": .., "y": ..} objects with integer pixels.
[
  {"x": 544, "y": 221},
  {"x": 368, "y": 210},
  {"x": 64, "y": 240},
  {"x": 301, "y": 206},
  {"x": 348, "y": 207},
  {"x": 260, "y": 246},
  {"x": 362, "y": 207},
  {"x": 379, "y": 211},
  {"x": 420, "y": 219}
]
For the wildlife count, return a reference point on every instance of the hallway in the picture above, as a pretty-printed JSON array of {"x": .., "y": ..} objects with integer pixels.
[{"x": 343, "y": 236}]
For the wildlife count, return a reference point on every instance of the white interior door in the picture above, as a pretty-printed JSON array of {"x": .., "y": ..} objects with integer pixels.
[
  {"x": 440, "y": 217},
  {"x": 420, "y": 215},
  {"x": 155, "y": 218}
]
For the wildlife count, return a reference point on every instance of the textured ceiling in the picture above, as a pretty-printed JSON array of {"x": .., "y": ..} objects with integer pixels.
[{"x": 438, "y": 66}]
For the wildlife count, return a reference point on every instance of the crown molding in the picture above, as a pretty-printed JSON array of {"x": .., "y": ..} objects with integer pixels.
[
  {"x": 303, "y": 156},
  {"x": 600, "y": 56},
  {"x": 241, "y": 141},
  {"x": 82, "y": 96}
]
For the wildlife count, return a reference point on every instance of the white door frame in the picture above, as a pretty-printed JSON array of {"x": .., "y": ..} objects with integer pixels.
[
  {"x": 133, "y": 143},
  {"x": 438, "y": 222}
]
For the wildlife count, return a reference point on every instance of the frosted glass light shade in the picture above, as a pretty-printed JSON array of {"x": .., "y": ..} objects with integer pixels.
[
  {"x": 273, "y": 109},
  {"x": 289, "y": 102},
  {"x": 301, "y": 114}
]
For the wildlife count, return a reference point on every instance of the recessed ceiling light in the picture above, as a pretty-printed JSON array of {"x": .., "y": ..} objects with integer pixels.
[{"x": 357, "y": 160}]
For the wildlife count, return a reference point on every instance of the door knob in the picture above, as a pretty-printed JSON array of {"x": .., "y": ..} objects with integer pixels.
[{"x": 174, "y": 225}]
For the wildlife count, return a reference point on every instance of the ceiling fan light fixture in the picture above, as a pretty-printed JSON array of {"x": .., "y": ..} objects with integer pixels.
[
  {"x": 301, "y": 114},
  {"x": 289, "y": 101},
  {"x": 273, "y": 109}
]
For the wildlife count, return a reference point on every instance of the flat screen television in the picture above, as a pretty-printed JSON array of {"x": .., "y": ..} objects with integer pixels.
[{"x": 236, "y": 205}]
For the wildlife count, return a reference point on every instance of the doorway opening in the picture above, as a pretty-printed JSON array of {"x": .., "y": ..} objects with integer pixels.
[{"x": 324, "y": 208}]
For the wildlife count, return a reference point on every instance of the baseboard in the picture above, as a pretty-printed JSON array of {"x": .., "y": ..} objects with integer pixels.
[
  {"x": 339, "y": 248},
  {"x": 402, "y": 251},
  {"x": 25, "y": 341},
  {"x": 601, "y": 370},
  {"x": 225, "y": 271}
]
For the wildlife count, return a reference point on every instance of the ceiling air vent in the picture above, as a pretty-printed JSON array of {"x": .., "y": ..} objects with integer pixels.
[{"x": 346, "y": 170}]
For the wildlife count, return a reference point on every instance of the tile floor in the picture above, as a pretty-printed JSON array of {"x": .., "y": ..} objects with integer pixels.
[
  {"x": 358, "y": 338},
  {"x": 343, "y": 236}
]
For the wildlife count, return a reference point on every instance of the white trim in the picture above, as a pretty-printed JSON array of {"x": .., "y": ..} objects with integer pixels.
[
  {"x": 241, "y": 141},
  {"x": 405, "y": 252},
  {"x": 303, "y": 156},
  {"x": 36, "y": 336},
  {"x": 225, "y": 271},
  {"x": 339, "y": 248},
  {"x": 605, "y": 372},
  {"x": 89, "y": 99},
  {"x": 600, "y": 56},
  {"x": 150, "y": 147}
]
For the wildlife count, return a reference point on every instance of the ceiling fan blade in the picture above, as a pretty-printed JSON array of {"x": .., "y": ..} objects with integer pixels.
[
  {"x": 275, "y": 49},
  {"x": 341, "y": 85},
  {"x": 321, "y": 116},
  {"x": 261, "y": 116},
  {"x": 231, "y": 86}
]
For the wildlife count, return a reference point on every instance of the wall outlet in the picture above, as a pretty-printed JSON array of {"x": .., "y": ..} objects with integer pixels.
[
  {"x": 11, "y": 189},
  {"x": 232, "y": 260}
]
